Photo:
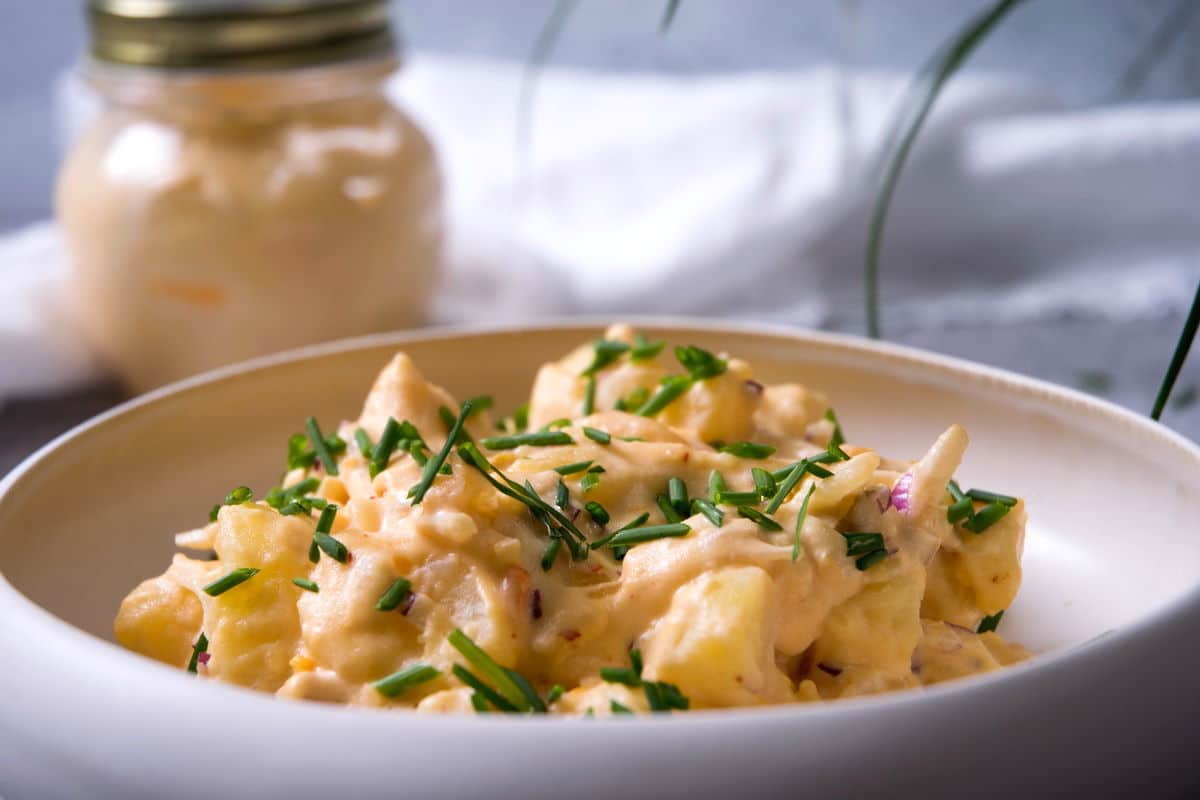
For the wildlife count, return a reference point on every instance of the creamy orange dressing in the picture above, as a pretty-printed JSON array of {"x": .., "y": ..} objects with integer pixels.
[{"x": 724, "y": 612}]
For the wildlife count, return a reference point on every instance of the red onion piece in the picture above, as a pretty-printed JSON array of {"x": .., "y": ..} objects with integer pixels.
[
  {"x": 901, "y": 498},
  {"x": 203, "y": 658}
]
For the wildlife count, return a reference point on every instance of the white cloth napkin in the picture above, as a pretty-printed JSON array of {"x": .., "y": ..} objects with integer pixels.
[{"x": 747, "y": 195}]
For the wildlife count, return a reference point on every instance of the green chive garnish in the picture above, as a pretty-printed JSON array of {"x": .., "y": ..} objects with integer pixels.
[
  {"x": 764, "y": 484},
  {"x": 748, "y": 449},
  {"x": 726, "y": 497},
  {"x": 482, "y": 690},
  {"x": 480, "y": 403},
  {"x": 241, "y": 494},
  {"x": 320, "y": 446},
  {"x": 321, "y": 538},
  {"x": 984, "y": 496},
  {"x": 644, "y": 349},
  {"x": 668, "y": 510},
  {"x": 673, "y": 386},
  {"x": 759, "y": 518},
  {"x": 990, "y": 623},
  {"x": 555, "y": 694},
  {"x": 700, "y": 364},
  {"x": 536, "y": 438},
  {"x": 870, "y": 559},
  {"x": 562, "y": 495},
  {"x": 430, "y": 470},
  {"x": 395, "y": 595},
  {"x": 597, "y": 512},
  {"x": 299, "y": 456},
  {"x": 623, "y": 675},
  {"x": 678, "y": 494},
  {"x": 550, "y": 554},
  {"x": 520, "y": 417},
  {"x": 400, "y": 682},
  {"x": 716, "y": 485},
  {"x": 619, "y": 708},
  {"x": 381, "y": 453},
  {"x": 715, "y": 515},
  {"x": 636, "y": 522},
  {"x": 363, "y": 440},
  {"x": 448, "y": 418},
  {"x": 201, "y": 646},
  {"x": 986, "y": 517},
  {"x": 589, "y": 481},
  {"x": 571, "y": 469},
  {"x": 838, "y": 439},
  {"x": 596, "y": 435},
  {"x": 648, "y": 534},
  {"x": 800, "y": 521},
  {"x": 634, "y": 401},
  {"x": 606, "y": 352},
  {"x": 837, "y": 452},
  {"x": 786, "y": 487},
  {"x": 227, "y": 582},
  {"x": 306, "y": 585},
  {"x": 589, "y": 396},
  {"x": 505, "y": 680}
]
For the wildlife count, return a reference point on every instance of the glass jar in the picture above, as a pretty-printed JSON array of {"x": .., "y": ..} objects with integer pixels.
[{"x": 244, "y": 189}]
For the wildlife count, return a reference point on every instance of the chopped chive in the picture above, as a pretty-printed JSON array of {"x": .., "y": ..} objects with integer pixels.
[
  {"x": 786, "y": 487},
  {"x": 858, "y": 544},
  {"x": 571, "y": 469},
  {"x": 535, "y": 438},
  {"x": 597, "y": 469},
  {"x": 870, "y": 559},
  {"x": 447, "y": 417},
  {"x": 673, "y": 386},
  {"x": 955, "y": 491},
  {"x": 747, "y": 449},
  {"x": 299, "y": 456},
  {"x": 521, "y": 417},
  {"x": 678, "y": 494},
  {"x": 636, "y": 522},
  {"x": 632, "y": 439},
  {"x": 321, "y": 538},
  {"x": 479, "y": 703},
  {"x": 589, "y": 481},
  {"x": 649, "y": 533},
  {"x": 395, "y": 595},
  {"x": 715, "y": 515},
  {"x": 814, "y": 468},
  {"x": 562, "y": 495},
  {"x": 758, "y": 518},
  {"x": 479, "y": 403},
  {"x": 664, "y": 696},
  {"x": 555, "y": 424},
  {"x": 596, "y": 435},
  {"x": 597, "y": 512},
  {"x": 635, "y": 658},
  {"x": 335, "y": 443},
  {"x": 623, "y": 675},
  {"x": 555, "y": 694},
  {"x": 700, "y": 364},
  {"x": 764, "y": 484},
  {"x": 500, "y": 677},
  {"x": 838, "y": 439},
  {"x": 201, "y": 646},
  {"x": 319, "y": 445},
  {"x": 307, "y": 585},
  {"x": 716, "y": 485},
  {"x": 400, "y": 682},
  {"x": 990, "y": 623},
  {"x": 363, "y": 440},
  {"x": 668, "y": 511},
  {"x": 430, "y": 470},
  {"x": 837, "y": 452},
  {"x": 644, "y": 349},
  {"x": 589, "y": 396},
  {"x": 959, "y": 510},
  {"x": 634, "y": 401},
  {"x": 381, "y": 453},
  {"x": 800, "y": 521},
  {"x": 619, "y": 708},
  {"x": 606, "y": 351},
  {"x": 227, "y": 582},
  {"x": 551, "y": 553},
  {"x": 984, "y": 496},
  {"x": 483, "y": 690},
  {"x": 729, "y": 498},
  {"x": 319, "y": 503},
  {"x": 241, "y": 494},
  {"x": 986, "y": 517}
]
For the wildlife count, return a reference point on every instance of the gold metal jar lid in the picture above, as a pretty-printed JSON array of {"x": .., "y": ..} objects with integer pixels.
[{"x": 238, "y": 34}]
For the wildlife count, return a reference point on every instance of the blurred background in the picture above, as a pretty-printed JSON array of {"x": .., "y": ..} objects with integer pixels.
[{"x": 722, "y": 169}]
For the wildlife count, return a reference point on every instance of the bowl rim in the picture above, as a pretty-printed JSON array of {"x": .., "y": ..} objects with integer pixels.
[{"x": 165, "y": 678}]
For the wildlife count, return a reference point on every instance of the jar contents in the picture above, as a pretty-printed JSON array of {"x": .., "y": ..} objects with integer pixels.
[{"x": 212, "y": 217}]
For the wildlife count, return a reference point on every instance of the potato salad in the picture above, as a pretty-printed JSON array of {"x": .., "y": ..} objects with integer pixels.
[{"x": 655, "y": 531}]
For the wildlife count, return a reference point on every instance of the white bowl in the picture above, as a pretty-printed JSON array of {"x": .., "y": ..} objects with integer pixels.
[{"x": 1110, "y": 601}]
